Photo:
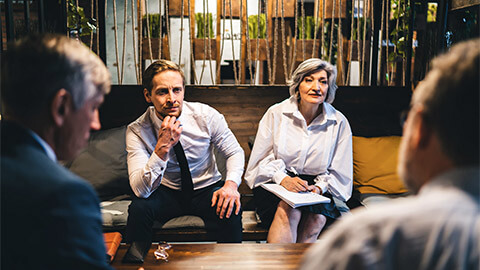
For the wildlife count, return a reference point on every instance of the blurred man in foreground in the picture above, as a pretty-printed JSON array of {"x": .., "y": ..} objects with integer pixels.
[
  {"x": 439, "y": 228},
  {"x": 50, "y": 218}
]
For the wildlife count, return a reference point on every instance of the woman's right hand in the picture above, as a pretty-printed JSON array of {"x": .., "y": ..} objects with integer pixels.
[{"x": 294, "y": 184}]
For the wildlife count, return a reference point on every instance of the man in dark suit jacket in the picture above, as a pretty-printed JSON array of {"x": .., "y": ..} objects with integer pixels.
[{"x": 50, "y": 218}]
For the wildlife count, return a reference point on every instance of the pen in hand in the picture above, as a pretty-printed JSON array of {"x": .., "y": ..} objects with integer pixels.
[
  {"x": 292, "y": 169},
  {"x": 301, "y": 184}
]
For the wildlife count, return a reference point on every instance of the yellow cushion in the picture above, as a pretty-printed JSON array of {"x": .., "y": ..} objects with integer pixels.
[{"x": 375, "y": 165}]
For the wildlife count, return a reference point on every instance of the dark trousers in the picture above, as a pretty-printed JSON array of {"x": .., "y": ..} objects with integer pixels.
[{"x": 165, "y": 203}]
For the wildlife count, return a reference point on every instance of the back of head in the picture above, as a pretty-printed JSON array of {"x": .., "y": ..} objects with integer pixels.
[
  {"x": 450, "y": 96},
  {"x": 35, "y": 68},
  {"x": 157, "y": 67}
]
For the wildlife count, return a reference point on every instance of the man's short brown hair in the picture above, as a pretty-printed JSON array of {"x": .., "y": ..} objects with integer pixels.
[{"x": 157, "y": 67}]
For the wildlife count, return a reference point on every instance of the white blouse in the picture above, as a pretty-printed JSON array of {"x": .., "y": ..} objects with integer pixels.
[{"x": 323, "y": 148}]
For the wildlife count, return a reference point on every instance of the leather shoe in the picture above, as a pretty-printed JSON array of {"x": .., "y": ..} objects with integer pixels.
[{"x": 136, "y": 252}]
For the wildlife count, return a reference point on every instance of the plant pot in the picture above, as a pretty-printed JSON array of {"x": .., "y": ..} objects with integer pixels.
[
  {"x": 201, "y": 47},
  {"x": 155, "y": 45},
  {"x": 308, "y": 49},
  {"x": 262, "y": 49}
]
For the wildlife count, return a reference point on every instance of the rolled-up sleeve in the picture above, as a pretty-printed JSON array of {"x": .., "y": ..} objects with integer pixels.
[{"x": 263, "y": 166}]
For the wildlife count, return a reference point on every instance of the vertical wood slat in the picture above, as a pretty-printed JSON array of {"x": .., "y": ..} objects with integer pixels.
[
  {"x": 26, "y": 13},
  {"x": 442, "y": 25},
  {"x": 408, "y": 77},
  {"x": 102, "y": 32},
  {"x": 9, "y": 20},
  {"x": 192, "y": 35},
  {"x": 41, "y": 16},
  {"x": 1, "y": 33},
  {"x": 377, "y": 15},
  {"x": 63, "y": 16},
  {"x": 243, "y": 46},
  {"x": 217, "y": 41}
]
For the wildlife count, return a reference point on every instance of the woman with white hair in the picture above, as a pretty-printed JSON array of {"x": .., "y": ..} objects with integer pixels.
[{"x": 303, "y": 144}]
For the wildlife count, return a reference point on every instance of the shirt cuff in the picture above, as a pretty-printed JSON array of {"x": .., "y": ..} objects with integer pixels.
[
  {"x": 278, "y": 177},
  {"x": 235, "y": 177},
  {"x": 156, "y": 166},
  {"x": 321, "y": 183}
]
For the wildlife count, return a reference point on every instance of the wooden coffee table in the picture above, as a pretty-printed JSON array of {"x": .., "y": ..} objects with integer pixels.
[{"x": 221, "y": 256}]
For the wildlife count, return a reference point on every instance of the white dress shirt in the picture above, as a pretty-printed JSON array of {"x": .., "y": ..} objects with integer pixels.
[
  {"x": 323, "y": 148},
  {"x": 437, "y": 229},
  {"x": 204, "y": 129}
]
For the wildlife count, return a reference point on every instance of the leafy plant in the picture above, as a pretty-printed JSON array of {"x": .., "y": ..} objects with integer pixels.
[
  {"x": 76, "y": 19},
  {"x": 326, "y": 44},
  {"x": 254, "y": 29},
  {"x": 309, "y": 27},
  {"x": 360, "y": 21},
  {"x": 398, "y": 36},
  {"x": 204, "y": 30},
  {"x": 154, "y": 20}
]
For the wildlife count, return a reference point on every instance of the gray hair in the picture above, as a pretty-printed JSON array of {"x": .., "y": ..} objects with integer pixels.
[
  {"x": 450, "y": 97},
  {"x": 36, "y": 67},
  {"x": 309, "y": 67}
]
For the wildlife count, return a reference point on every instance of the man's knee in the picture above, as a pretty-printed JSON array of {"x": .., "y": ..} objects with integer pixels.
[{"x": 140, "y": 207}]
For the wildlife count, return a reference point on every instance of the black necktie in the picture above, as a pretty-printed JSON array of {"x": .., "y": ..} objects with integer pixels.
[{"x": 187, "y": 183}]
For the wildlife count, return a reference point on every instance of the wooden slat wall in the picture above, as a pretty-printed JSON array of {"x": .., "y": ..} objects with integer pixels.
[{"x": 243, "y": 107}]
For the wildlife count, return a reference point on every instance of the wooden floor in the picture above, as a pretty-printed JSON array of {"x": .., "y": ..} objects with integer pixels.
[{"x": 221, "y": 256}]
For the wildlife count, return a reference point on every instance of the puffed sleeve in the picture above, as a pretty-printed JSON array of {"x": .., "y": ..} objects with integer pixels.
[
  {"x": 338, "y": 178},
  {"x": 263, "y": 165}
]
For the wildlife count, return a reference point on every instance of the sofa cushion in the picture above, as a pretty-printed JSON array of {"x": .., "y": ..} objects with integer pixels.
[
  {"x": 115, "y": 214},
  {"x": 104, "y": 163},
  {"x": 375, "y": 165}
]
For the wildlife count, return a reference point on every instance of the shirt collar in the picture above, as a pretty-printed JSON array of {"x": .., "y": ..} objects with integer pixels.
[
  {"x": 157, "y": 123},
  {"x": 45, "y": 146},
  {"x": 464, "y": 178},
  {"x": 328, "y": 112}
]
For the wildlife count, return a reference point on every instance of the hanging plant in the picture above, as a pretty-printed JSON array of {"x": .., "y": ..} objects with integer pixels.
[
  {"x": 254, "y": 29},
  {"x": 398, "y": 36},
  {"x": 76, "y": 19}
]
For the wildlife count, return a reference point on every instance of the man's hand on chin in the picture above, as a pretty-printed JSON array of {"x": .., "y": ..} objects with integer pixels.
[{"x": 226, "y": 199}]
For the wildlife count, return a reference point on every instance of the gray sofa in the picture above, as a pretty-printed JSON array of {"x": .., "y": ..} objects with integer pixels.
[{"x": 104, "y": 164}]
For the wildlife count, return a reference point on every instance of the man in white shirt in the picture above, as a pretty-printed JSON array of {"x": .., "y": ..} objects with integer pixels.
[
  {"x": 439, "y": 228},
  {"x": 172, "y": 167}
]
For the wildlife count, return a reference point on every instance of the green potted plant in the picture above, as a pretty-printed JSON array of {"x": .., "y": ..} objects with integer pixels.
[
  {"x": 205, "y": 46},
  {"x": 257, "y": 32},
  {"x": 308, "y": 29}
]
